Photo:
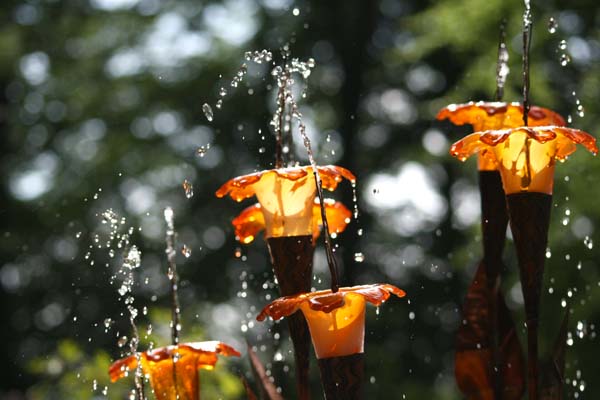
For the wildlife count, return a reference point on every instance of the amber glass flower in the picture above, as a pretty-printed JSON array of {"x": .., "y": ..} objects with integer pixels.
[
  {"x": 525, "y": 155},
  {"x": 286, "y": 196},
  {"x": 336, "y": 320},
  {"x": 173, "y": 370},
  {"x": 485, "y": 116},
  {"x": 251, "y": 220}
]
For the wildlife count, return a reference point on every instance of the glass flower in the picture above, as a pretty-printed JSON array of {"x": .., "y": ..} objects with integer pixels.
[
  {"x": 496, "y": 115},
  {"x": 251, "y": 220},
  {"x": 286, "y": 195},
  {"x": 336, "y": 320},
  {"x": 525, "y": 156},
  {"x": 158, "y": 364}
]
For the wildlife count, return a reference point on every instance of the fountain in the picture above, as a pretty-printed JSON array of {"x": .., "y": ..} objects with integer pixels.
[{"x": 525, "y": 155}]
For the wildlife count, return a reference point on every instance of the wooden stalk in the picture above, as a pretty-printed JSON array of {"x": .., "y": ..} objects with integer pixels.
[
  {"x": 529, "y": 221},
  {"x": 342, "y": 377},
  {"x": 494, "y": 220},
  {"x": 292, "y": 259}
]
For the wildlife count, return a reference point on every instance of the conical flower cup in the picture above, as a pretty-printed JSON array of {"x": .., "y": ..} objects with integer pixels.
[
  {"x": 485, "y": 116},
  {"x": 337, "y": 329},
  {"x": 250, "y": 222},
  {"x": 336, "y": 320},
  {"x": 173, "y": 370},
  {"x": 290, "y": 215},
  {"x": 525, "y": 156},
  {"x": 286, "y": 195}
]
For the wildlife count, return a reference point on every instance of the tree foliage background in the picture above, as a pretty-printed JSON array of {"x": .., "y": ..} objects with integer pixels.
[{"x": 101, "y": 107}]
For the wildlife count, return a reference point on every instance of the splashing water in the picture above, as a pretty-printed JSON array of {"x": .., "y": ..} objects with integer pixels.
[
  {"x": 208, "y": 112},
  {"x": 285, "y": 100},
  {"x": 131, "y": 262},
  {"x": 186, "y": 251},
  {"x": 202, "y": 150},
  {"x": 359, "y": 257},
  {"x": 258, "y": 57},
  {"x": 502, "y": 69},
  {"x": 188, "y": 189},
  {"x": 564, "y": 59},
  {"x": 170, "y": 239},
  {"x": 552, "y": 25}
]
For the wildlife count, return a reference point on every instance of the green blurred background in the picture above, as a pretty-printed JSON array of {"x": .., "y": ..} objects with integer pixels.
[{"x": 101, "y": 107}]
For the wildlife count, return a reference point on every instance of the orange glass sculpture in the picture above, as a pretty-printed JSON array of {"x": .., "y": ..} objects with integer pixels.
[
  {"x": 251, "y": 220},
  {"x": 336, "y": 320},
  {"x": 286, "y": 196},
  {"x": 525, "y": 156},
  {"x": 173, "y": 370},
  {"x": 485, "y": 116}
]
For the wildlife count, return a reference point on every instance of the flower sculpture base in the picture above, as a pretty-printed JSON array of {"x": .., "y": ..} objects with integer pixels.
[
  {"x": 489, "y": 360},
  {"x": 292, "y": 259},
  {"x": 342, "y": 377},
  {"x": 529, "y": 221}
]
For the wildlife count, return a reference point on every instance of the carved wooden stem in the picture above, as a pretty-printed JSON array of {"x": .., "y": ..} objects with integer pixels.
[
  {"x": 529, "y": 220},
  {"x": 342, "y": 377},
  {"x": 292, "y": 259},
  {"x": 494, "y": 220}
]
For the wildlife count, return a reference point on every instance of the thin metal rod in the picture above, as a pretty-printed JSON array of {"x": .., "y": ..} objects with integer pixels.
[
  {"x": 328, "y": 246},
  {"x": 279, "y": 130},
  {"x": 526, "y": 47}
]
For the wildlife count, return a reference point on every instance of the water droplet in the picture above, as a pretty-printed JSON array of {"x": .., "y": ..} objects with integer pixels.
[
  {"x": 562, "y": 45},
  {"x": 552, "y": 25},
  {"x": 122, "y": 341},
  {"x": 262, "y": 150},
  {"x": 107, "y": 323},
  {"x": 411, "y": 315},
  {"x": 296, "y": 11},
  {"x": 564, "y": 59},
  {"x": 223, "y": 92},
  {"x": 201, "y": 152},
  {"x": 188, "y": 188},
  {"x": 359, "y": 257},
  {"x": 587, "y": 241},
  {"x": 208, "y": 112},
  {"x": 186, "y": 251}
]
